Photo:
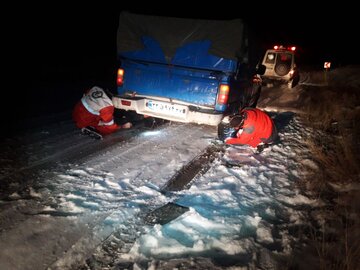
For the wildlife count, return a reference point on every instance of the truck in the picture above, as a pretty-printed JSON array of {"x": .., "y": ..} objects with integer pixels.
[
  {"x": 182, "y": 69},
  {"x": 280, "y": 66}
]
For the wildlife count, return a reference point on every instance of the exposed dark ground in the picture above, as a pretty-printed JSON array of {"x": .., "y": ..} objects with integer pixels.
[{"x": 329, "y": 103}]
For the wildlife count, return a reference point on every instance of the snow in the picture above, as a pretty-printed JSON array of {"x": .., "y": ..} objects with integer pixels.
[{"x": 67, "y": 198}]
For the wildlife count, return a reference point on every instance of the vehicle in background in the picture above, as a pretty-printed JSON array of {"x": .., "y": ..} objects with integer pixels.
[
  {"x": 184, "y": 70},
  {"x": 280, "y": 66}
]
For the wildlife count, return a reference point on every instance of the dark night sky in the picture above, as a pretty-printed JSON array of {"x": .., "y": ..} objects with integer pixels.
[
  {"x": 79, "y": 35},
  {"x": 55, "y": 51}
]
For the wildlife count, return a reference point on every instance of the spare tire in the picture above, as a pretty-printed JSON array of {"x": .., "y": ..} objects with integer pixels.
[{"x": 282, "y": 69}]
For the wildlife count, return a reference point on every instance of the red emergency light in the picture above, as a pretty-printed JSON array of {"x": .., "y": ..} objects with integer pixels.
[{"x": 281, "y": 47}]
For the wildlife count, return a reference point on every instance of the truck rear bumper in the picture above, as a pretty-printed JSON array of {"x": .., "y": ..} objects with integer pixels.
[{"x": 168, "y": 109}]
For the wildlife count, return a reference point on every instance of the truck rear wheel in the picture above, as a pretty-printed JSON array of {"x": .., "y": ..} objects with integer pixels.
[
  {"x": 224, "y": 130},
  {"x": 153, "y": 122}
]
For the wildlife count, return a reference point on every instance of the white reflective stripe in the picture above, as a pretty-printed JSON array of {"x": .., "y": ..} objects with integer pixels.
[
  {"x": 83, "y": 101},
  {"x": 101, "y": 123},
  {"x": 97, "y": 99}
]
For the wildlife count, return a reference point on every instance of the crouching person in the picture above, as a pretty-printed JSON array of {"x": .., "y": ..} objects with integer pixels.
[
  {"x": 96, "y": 110},
  {"x": 251, "y": 127}
]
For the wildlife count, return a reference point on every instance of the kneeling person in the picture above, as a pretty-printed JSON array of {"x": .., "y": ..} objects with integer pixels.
[
  {"x": 95, "y": 110},
  {"x": 252, "y": 127}
]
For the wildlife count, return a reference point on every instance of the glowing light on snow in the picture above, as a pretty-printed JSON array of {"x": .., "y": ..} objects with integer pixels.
[{"x": 151, "y": 133}]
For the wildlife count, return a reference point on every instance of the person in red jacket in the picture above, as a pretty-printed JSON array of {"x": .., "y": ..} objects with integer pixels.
[
  {"x": 95, "y": 109},
  {"x": 252, "y": 127}
]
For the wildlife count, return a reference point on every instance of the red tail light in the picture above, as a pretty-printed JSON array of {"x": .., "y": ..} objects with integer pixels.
[
  {"x": 223, "y": 94},
  {"x": 120, "y": 77}
]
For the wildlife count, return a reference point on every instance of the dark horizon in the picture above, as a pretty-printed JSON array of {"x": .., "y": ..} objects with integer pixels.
[
  {"x": 58, "y": 52},
  {"x": 77, "y": 35}
]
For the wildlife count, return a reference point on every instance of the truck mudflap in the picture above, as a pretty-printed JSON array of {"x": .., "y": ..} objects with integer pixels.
[{"x": 169, "y": 109}]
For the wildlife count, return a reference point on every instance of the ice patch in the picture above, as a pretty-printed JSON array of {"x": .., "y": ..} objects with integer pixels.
[
  {"x": 14, "y": 196},
  {"x": 253, "y": 221},
  {"x": 34, "y": 194},
  {"x": 70, "y": 207},
  {"x": 264, "y": 235},
  {"x": 298, "y": 199}
]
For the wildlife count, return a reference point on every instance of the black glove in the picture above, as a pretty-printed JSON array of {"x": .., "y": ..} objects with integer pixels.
[{"x": 226, "y": 131}]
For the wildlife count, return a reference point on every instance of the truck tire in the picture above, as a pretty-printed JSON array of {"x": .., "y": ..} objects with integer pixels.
[
  {"x": 154, "y": 122},
  {"x": 282, "y": 69},
  {"x": 224, "y": 130}
]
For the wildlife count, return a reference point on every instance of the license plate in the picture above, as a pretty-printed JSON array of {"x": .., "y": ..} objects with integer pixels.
[{"x": 166, "y": 108}]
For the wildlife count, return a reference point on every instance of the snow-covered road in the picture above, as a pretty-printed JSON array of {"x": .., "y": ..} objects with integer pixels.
[{"x": 70, "y": 202}]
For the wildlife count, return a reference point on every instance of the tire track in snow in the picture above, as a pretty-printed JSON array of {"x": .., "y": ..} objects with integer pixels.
[
  {"x": 72, "y": 147},
  {"x": 133, "y": 223},
  {"x": 162, "y": 145}
]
